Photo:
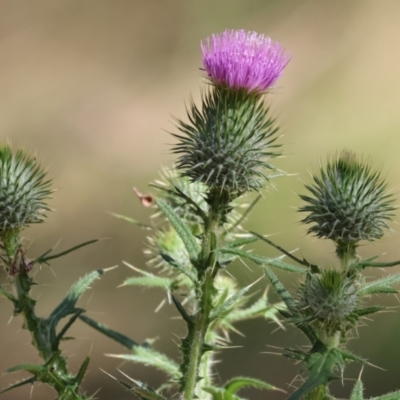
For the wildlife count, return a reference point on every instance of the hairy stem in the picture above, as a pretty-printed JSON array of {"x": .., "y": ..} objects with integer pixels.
[
  {"x": 207, "y": 272},
  {"x": 54, "y": 372},
  {"x": 319, "y": 393}
]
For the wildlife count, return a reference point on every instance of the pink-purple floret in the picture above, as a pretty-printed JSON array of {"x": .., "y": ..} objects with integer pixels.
[{"x": 240, "y": 59}]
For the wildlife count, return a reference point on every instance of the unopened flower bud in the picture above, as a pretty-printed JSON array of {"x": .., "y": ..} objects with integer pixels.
[{"x": 348, "y": 203}]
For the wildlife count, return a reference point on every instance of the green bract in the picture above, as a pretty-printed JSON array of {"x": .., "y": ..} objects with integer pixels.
[
  {"x": 228, "y": 142},
  {"x": 24, "y": 190},
  {"x": 348, "y": 202},
  {"x": 328, "y": 300}
]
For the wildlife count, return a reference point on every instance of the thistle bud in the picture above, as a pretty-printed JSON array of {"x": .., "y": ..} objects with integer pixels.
[
  {"x": 24, "y": 190},
  {"x": 328, "y": 301},
  {"x": 348, "y": 203}
]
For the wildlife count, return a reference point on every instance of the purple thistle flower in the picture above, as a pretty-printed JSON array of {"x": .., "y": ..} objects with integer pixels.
[{"x": 240, "y": 59}]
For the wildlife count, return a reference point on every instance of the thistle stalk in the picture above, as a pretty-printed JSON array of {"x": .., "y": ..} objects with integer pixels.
[{"x": 207, "y": 271}]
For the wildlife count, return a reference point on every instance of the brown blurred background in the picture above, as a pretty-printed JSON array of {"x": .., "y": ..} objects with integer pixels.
[{"x": 92, "y": 88}]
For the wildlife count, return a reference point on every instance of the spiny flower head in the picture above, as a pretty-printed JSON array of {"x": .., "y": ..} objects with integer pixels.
[
  {"x": 329, "y": 301},
  {"x": 228, "y": 142},
  {"x": 348, "y": 202},
  {"x": 24, "y": 190},
  {"x": 239, "y": 59}
]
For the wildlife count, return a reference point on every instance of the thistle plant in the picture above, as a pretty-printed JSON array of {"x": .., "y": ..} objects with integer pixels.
[
  {"x": 348, "y": 202},
  {"x": 225, "y": 151},
  {"x": 24, "y": 194}
]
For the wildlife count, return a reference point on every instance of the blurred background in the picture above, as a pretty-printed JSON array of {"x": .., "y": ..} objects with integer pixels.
[{"x": 92, "y": 88}]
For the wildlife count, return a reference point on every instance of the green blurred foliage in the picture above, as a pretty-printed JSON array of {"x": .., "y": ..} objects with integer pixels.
[{"x": 90, "y": 87}]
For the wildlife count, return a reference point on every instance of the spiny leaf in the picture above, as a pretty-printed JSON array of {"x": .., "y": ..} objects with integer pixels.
[
  {"x": 229, "y": 303},
  {"x": 370, "y": 263},
  {"x": 383, "y": 285},
  {"x": 189, "y": 240},
  {"x": 131, "y": 220},
  {"x": 361, "y": 312},
  {"x": 67, "y": 306},
  {"x": 152, "y": 358},
  {"x": 8, "y": 295},
  {"x": 290, "y": 304},
  {"x": 105, "y": 330},
  {"x": 320, "y": 366},
  {"x": 241, "y": 382},
  {"x": 275, "y": 262},
  {"x": 234, "y": 385},
  {"x": 357, "y": 392},
  {"x": 31, "y": 380},
  {"x": 147, "y": 279},
  {"x": 314, "y": 268},
  {"x": 186, "y": 317},
  {"x": 260, "y": 308},
  {"x": 154, "y": 281},
  {"x": 143, "y": 391},
  {"x": 388, "y": 396},
  {"x": 190, "y": 274},
  {"x": 65, "y": 328},
  {"x": 82, "y": 370},
  {"x": 280, "y": 289},
  {"x": 34, "y": 369},
  {"x": 241, "y": 242},
  {"x": 43, "y": 259},
  {"x": 245, "y": 214}
]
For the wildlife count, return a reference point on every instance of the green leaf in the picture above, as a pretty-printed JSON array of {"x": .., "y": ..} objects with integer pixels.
[
  {"x": 234, "y": 385},
  {"x": 314, "y": 268},
  {"x": 290, "y": 304},
  {"x": 149, "y": 357},
  {"x": 147, "y": 279},
  {"x": 282, "y": 292},
  {"x": 188, "y": 239},
  {"x": 143, "y": 391},
  {"x": 8, "y": 295},
  {"x": 361, "y": 312},
  {"x": 34, "y": 369},
  {"x": 383, "y": 285},
  {"x": 82, "y": 370},
  {"x": 189, "y": 273},
  {"x": 245, "y": 214},
  {"x": 370, "y": 263},
  {"x": 44, "y": 260},
  {"x": 154, "y": 281},
  {"x": 105, "y": 330},
  {"x": 357, "y": 392},
  {"x": 241, "y": 242},
  {"x": 320, "y": 366},
  {"x": 31, "y": 381},
  {"x": 219, "y": 312},
  {"x": 260, "y": 308},
  {"x": 388, "y": 396},
  {"x": 275, "y": 262},
  {"x": 131, "y": 220},
  {"x": 241, "y": 382},
  {"x": 67, "y": 306}
]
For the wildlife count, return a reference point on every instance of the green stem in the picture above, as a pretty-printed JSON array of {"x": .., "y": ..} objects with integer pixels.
[
  {"x": 54, "y": 372},
  {"x": 197, "y": 339},
  {"x": 207, "y": 273},
  {"x": 319, "y": 393}
]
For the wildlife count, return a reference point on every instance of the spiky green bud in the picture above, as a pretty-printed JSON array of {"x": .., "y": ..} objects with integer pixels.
[
  {"x": 328, "y": 300},
  {"x": 228, "y": 142},
  {"x": 348, "y": 202},
  {"x": 24, "y": 190}
]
